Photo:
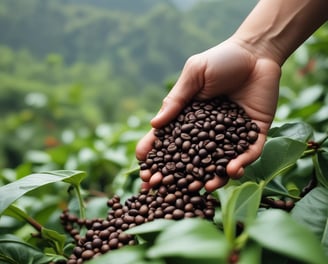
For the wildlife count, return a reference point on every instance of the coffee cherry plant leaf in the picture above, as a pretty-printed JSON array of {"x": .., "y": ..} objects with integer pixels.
[
  {"x": 193, "y": 239},
  {"x": 300, "y": 131},
  {"x": 277, "y": 231},
  {"x": 14, "y": 251},
  {"x": 250, "y": 254},
  {"x": 149, "y": 231},
  {"x": 55, "y": 239},
  {"x": 320, "y": 161},
  {"x": 73, "y": 177},
  {"x": 278, "y": 155},
  {"x": 125, "y": 255},
  {"x": 14, "y": 190},
  {"x": 312, "y": 212},
  {"x": 239, "y": 204}
]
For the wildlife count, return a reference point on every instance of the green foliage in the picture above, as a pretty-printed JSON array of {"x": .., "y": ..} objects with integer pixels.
[{"x": 59, "y": 100}]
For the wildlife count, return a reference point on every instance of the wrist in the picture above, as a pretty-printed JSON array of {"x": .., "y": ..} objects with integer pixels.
[{"x": 276, "y": 28}]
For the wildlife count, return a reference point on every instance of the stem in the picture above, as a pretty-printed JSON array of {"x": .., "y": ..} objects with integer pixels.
[
  {"x": 323, "y": 140},
  {"x": 80, "y": 200},
  {"x": 308, "y": 152},
  {"x": 19, "y": 214}
]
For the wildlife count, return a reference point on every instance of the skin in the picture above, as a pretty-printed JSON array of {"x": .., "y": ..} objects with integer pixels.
[{"x": 246, "y": 68}]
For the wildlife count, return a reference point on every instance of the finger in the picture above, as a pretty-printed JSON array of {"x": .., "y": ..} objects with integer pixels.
[
  {"x": 235, "y": 168},
  {"x": 215, "y": 183},
  {"x": 189, "y": 83},
  {"x": 145, "y": 175},
  {"x": 145, "y": 186},
  {"x": 155, "y": 179},
  {"x": 145, "y": 145}
]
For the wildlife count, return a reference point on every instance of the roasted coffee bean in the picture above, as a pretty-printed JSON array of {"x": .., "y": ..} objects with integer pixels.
[{"x": 187, "y": 153}]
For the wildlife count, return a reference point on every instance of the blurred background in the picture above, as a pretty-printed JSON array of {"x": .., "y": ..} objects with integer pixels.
[{"x": 80, "y": 79}]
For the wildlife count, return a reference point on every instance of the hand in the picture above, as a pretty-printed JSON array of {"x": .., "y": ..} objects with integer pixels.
[{"x": 226, "y": 69}]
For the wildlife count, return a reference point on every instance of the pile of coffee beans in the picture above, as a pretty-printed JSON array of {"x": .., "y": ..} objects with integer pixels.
[
  {"x": 103, "y": 235},
  {"x": 188, "y": 152},
  {"x": 199, "y": 143}
]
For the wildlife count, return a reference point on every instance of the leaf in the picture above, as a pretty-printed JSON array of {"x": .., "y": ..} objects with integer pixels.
[
  {"x": 70, "y": 176},
  {"x": 16, "y": 213},
  {"x": 125, "y": 255},
  {"x": 149, "y": 231},
  {"x": 12, "y": 191},
  {"x": 192, "y": 238},
  {"x": 298, "y": 131},
  {"x": 14, "y": 251},
  {"x": 312, "y": 211},
  {"x": 278, "y": 155},
  {"x": 278, "y": 232},
  {"x": 274, "y": 187},
  {"x": 320, "y": 161},
  {"x": 54, "y": 238},
  {"x": 250, "y": 254},
  {"x": 240, "y": 203}
]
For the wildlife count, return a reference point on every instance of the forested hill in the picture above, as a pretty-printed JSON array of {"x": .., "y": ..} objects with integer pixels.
[{"x": 145, "y": 41}]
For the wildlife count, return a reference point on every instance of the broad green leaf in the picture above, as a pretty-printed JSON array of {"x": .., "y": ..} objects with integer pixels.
[
  {"x": 320, "y": 161},
  {"x": 250, "y": 254},
  {"x": 274, "y": 187},
  {"x": 278, "y": 232},
  {"x": 14, "y": 251},
  {"x": 278, "y": 155},
  {"x": 70, "y": 176},
  {"x": 191, "y": 238},
  {"x": 125, "y": 255},
  {"x": 298, "y": 131},
  {"x": 55, "y": 239},
  {"x": 149, "y": 231},
  {"x": 239, "y": 204},
  {"x": 16, "y": 213},
  {"x": 12, "y": 191},
  {"x": 312, "y": 211}
]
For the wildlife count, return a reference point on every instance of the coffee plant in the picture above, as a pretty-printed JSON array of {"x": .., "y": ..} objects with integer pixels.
[
  {"x": 79, "y": 200},
  {"x": 275, "y": 213}
]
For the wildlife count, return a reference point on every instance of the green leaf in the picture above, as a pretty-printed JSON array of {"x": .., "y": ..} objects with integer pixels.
[
  {"x": 192, "y": 238},
  {"x": 250, "y": 254},
  {"x": 14, "y": 251},
  {"x": 149, "y": 231},
  {"x": 125, "y": 255},
  {"x": 69, "y": 176},
  {"x": 239, "y": 204},
  {"x": 320, "y": 161},
  {"x": 278, "y": 155},
  {"x": 16, "y": 213},
  {"x": 278, "y": 232},
  {"x": 274, "y": 187},
  {"x": 12, "y": 191},
  {"x": 312, "y": 211},
  {"x": 55, "y": 239},
  {"x": 298, "y": 131}
]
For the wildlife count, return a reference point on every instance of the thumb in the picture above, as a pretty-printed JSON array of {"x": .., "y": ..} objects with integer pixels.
[{"x": 188, "y": 85}]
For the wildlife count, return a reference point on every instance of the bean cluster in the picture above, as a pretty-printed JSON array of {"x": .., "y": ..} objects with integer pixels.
[
  {"x": 108, "y": 234},
  {"x": 188, "y": 152},
  {"x": 199, "y": 143}
]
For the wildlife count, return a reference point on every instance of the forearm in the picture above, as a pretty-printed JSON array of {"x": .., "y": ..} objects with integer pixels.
[{"x": 276, "y": 28}]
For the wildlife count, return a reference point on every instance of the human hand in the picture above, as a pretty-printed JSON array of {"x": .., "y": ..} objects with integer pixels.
[{"x": 227, "y": 69}]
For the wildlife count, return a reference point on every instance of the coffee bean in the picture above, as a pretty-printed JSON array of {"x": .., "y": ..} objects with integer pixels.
[
  {"x": 188, "y": 154},
  {"x": 87, "y": 254}
]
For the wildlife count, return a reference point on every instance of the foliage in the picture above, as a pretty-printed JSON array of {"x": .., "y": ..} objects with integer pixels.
[
  {"x": 55, "y": 159},
  {"x": 266, "y": 233}
]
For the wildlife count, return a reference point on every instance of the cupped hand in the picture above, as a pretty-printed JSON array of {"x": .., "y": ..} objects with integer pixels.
[{"x": 229, "y": 69}]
